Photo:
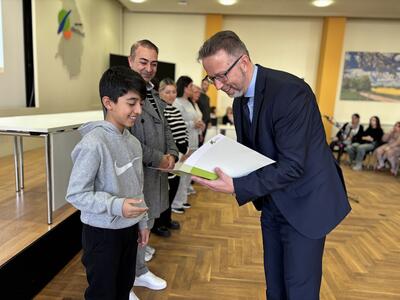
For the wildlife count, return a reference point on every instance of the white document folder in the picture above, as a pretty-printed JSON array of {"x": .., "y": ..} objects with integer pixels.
[{"x": 233, "y": 158}]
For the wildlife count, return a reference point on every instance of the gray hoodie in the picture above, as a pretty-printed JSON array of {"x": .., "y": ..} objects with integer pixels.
[{"x": 107, "y": 170}]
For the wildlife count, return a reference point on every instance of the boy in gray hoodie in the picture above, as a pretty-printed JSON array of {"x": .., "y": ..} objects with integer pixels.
[{"x": 106, "y": 185}]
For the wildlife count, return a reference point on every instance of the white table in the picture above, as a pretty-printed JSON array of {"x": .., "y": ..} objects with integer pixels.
[
  {"x": 228, "y": 130},
  {"x": 60, "y": 137}
]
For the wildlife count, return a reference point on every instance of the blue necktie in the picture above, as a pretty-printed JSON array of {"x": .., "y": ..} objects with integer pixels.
[{"x": 246, "y": 110}]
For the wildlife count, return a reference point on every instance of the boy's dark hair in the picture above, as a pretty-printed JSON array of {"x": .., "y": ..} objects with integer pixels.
[
  {"x": 119, "y": 80},
  {"x": 356, "y": 115},
  {"x": 182, "y": 82}
]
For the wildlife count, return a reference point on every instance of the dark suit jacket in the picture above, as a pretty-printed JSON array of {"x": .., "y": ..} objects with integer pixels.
[
  {"x": 305, "y": 183},
  {"x": 204, "y": 105}
]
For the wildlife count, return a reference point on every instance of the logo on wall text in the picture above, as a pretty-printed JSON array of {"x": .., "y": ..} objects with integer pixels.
[{"x": 64, "y": 25}]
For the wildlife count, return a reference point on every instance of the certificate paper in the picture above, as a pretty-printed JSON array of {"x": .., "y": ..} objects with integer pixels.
[{"x": 233, "y": 158}]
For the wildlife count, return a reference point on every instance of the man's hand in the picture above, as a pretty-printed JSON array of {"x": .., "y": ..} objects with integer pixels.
[
  {"x": 186, "y": 156},
  {"x": 167, "y": 162},
  {"x": 130, "y": 208},
  {"x": 171, "y": 161},
  {"x": 143, "y": 237},
  {"x": 223, "y": 184}
]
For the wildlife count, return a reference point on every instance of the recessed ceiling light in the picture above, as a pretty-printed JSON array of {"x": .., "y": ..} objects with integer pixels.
[
  {"x": 182, "y": 2},
  {"x": 322, "y": 3},
  {"x": 227, "y": 2},
  {"x": 137, "y": 1}
]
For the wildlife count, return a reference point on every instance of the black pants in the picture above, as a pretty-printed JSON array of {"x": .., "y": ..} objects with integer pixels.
[
  {"x": 165, "y": 217},
  {"x": 340, "y": 151},
  {"x": 204, "y": 133},
  {"x": 109, "y": 256}
]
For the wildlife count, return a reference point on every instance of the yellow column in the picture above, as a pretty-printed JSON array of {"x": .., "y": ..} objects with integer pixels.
[
  {"x": 213, "y": 25},
  {"x": 328, "y": 69}
]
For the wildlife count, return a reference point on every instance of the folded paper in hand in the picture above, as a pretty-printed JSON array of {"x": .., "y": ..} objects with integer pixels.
[{"x": 231, "y": 157}]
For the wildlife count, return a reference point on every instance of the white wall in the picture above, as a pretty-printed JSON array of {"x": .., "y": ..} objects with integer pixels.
[
  {"x": 88, "y": 57},
  {"x": 374, "y": 36},
  {"x": 287, "y": 43},
  {"x": 177, "y": 36},
  {"x": 12, "y": 78},
  {"x": 69, "y": 70}
]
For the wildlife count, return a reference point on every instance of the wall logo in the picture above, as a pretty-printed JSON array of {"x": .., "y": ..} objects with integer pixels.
[{"x": 64, "y": 25}]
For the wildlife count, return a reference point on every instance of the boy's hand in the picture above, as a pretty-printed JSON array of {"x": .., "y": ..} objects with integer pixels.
[
  {"x": 130, "y": 208},
  {"x": 143, "y": 237}
]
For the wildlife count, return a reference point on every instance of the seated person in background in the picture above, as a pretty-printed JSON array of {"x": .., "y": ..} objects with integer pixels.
[
  {"x": 349, "y": 133},
  {"x": 369, "y": 141},
  {"x": 390, "y": 151},
  {"x": 228, "y": 118},
  {"x": 213, "y": 116}
]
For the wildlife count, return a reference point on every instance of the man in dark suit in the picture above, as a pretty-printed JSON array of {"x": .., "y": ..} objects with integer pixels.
[{"x": 302, "y": 197}]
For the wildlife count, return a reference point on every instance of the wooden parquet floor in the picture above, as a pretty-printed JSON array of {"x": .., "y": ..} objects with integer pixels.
[{"x": 218, "y": 252}]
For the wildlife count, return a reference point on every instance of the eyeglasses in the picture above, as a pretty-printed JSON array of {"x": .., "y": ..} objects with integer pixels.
[{"x": 222, "y": 77}]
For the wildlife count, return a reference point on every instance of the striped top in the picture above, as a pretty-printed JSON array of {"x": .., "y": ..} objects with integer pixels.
[
  {"x": 178, "y": 127},
  {"x": 149, "y": 96}
]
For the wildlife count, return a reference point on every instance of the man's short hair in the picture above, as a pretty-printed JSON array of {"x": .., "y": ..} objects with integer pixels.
[
  {"x": 356, "y": 115},
  {"x": 224, "y": 40},
  {"x": 119, "y": 80},
  {"x": 143, "y": 43}
]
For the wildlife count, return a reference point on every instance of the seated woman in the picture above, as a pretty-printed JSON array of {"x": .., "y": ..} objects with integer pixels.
[
  {"x": 228, "y": 118},
  {"x": 390, "y": 151},
  {"x": 370, "y": 139}
]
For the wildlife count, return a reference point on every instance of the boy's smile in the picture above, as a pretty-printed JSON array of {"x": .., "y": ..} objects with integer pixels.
[{"x": 125, "y": 111}]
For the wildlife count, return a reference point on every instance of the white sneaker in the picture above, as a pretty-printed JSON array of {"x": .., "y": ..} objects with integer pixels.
[
  {"x": 150, "y": 281},
  {"x": 150, "y": 250},
  {"x": 191, "y": 190},
  {"x": 132, "y": 296},
  {"x": 178, "y": 210},
  {"x": 147, "y": 257}
]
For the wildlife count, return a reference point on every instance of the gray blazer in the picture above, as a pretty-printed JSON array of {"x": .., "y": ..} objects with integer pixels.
[{"x": 154, "y": 134}]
